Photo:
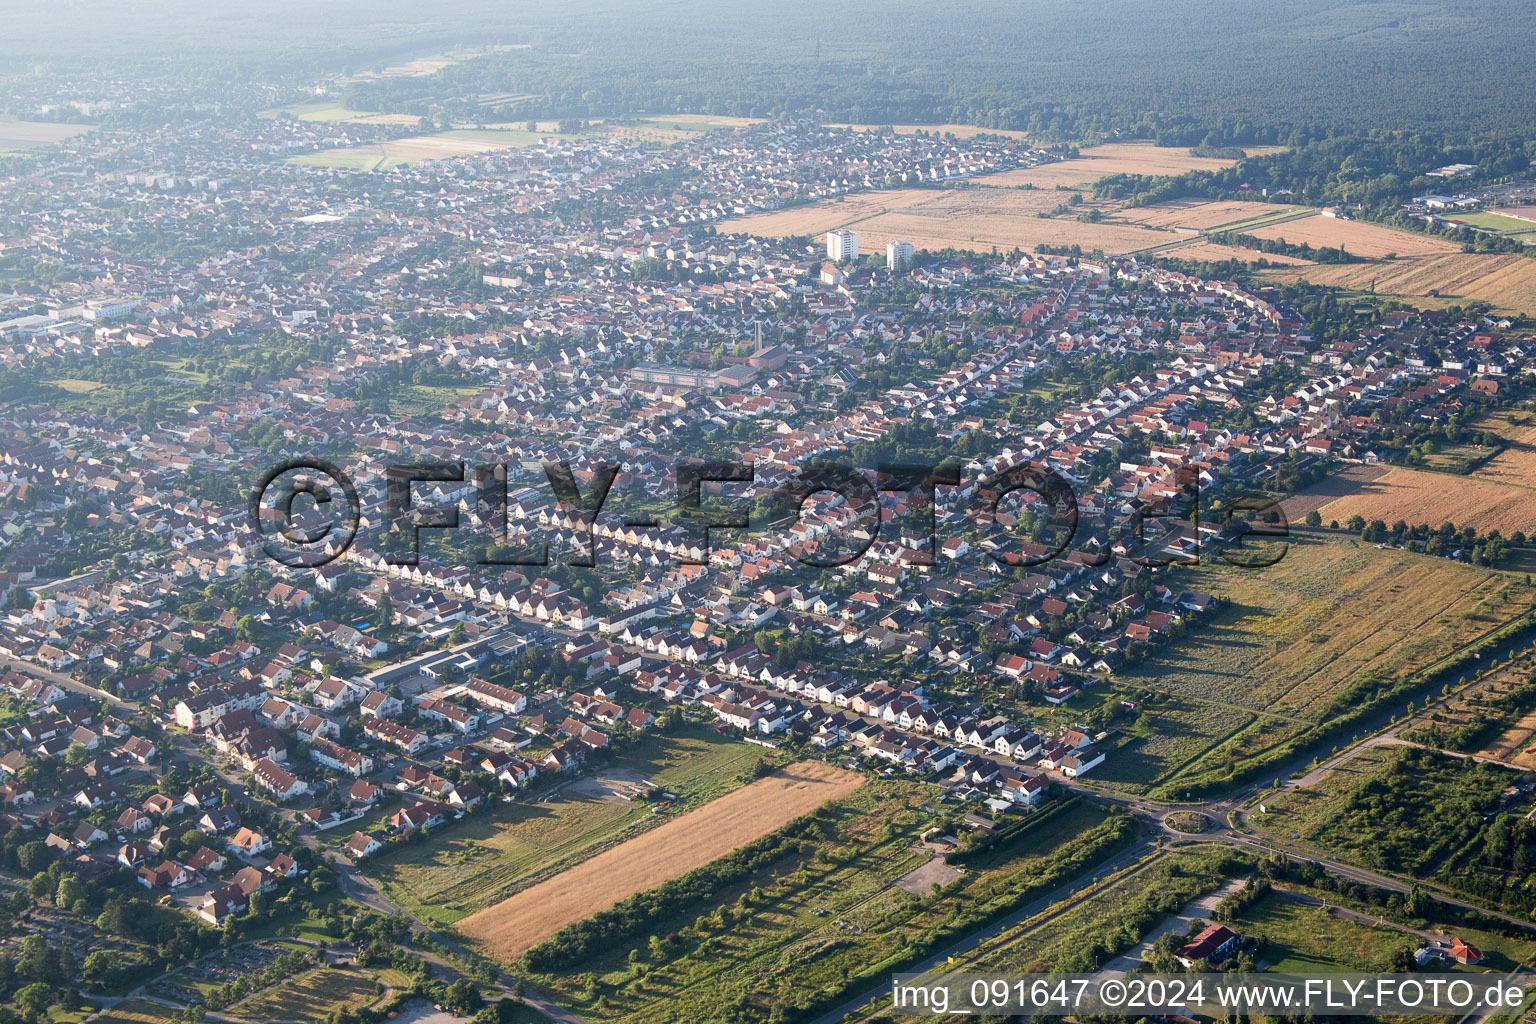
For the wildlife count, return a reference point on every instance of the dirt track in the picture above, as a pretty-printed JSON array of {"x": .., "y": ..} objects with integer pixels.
[{"x": 693, "y": 840}]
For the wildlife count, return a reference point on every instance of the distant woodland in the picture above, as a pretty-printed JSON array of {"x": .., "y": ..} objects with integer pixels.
[
  {"x": 1367, "y": 95},
  {"x": 1252, "y": 71}
]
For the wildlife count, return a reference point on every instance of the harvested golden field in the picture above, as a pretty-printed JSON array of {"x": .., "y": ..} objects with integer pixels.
[
  {"x": 1371, "y": 241},
  {"x": 1295, "y": 635},
  {"x": 1330, "y": 489},
  {"x": 961, "y": 218},
  {"x": 1418, "y": 497},
  {"x": 1516, "y": 464},
  {"x": 1117, "y": 158},
  {"x": 1516, "y": 744},
  {"x": 693, "y": 840},
  {"x": 1210, "y": 252},
  {"x": 1198, "y": 215},
  {"x": 1505, "y": 280}
]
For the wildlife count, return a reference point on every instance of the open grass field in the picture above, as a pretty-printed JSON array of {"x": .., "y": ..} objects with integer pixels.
[
  {"x": 1167, "y": 736},
  {"x": 327, "y": 111},
  {"x": 20, "y": 136},
  {"x": 1371, "y": 241},
  {"x": 972, "y": 217},
  {"x": 1198, "y": 215},
  {"x": 669, "y": 129},
  {"x": 1298, "y": 938},
  {"x": 682, "y": 844},
  {"x": 76, "y": 386},
  {"x": 1293, "y": 636},
  {"x": 1506, "y": 281},
  {"x": 489, "y": 856},
  {"x": 382, "y": 156},
  {"x": 836, "y": 920},
  {"x": 1419, "y": 497},
  {"x": 310, "y": 997}
]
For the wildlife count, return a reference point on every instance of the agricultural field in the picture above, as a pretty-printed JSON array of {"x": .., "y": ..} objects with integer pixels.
[
  {"x": 1293, "y": 637},
  {"x": 1371, "y": 241},
  {"x": 381, "y": 156},
  {"x": 834, "y": 920},
  {"x": 310, "y": 997},
  {"x": 1003, "y": 211},
  {"x": 488, "y": 857},
  {"x": 1506, "y": 281},
  {"x": 20, "y": 136},
  {"x": 1494, "y": 718},
  {"x": 135, "y": 1011},
  {"x": 682, "y": 844},
  {"x": 970, "y": 217},
  {"x": 1516, "y": 464},
  {"x": 1098, "y": 162},
  {"x": 1199, "y": 215},
  {"x": 1419, "y": 497},
  {"x": 1212, "y": 252}
]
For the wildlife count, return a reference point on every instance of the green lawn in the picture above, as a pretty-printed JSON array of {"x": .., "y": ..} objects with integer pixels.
[
  {"x": 486, "y": 857},
  {"x": 1302, "y": 939},
  {"x": 506, "y": 136},
  {"x": 363, "y": 158},
  {"x": 1493, "y": 221}
]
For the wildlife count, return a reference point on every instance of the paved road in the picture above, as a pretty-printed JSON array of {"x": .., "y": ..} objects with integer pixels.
[{"x": 70, "y": 683}]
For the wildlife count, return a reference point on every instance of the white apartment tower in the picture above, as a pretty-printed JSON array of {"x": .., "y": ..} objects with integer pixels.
[
  {"x": 898, "y": 255},
  {"x": 842, "y": 245}
]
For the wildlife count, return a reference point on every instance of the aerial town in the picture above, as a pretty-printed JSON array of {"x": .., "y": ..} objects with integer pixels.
[{"x": 1133, "y": 554}]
